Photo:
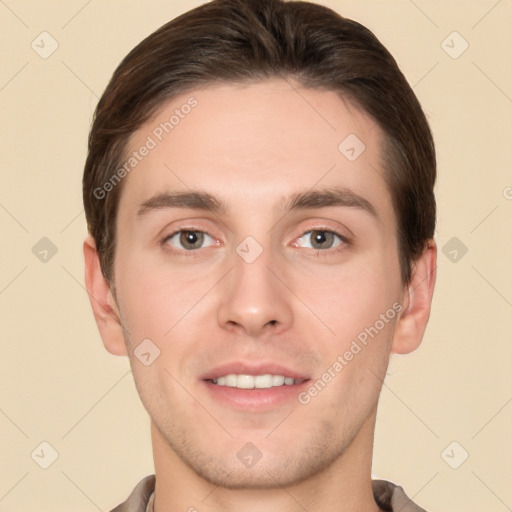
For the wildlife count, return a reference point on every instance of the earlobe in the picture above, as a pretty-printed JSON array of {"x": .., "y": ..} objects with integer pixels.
[
  {"x": 104, "y": 306},
  {"x": 413, "y": 320}
]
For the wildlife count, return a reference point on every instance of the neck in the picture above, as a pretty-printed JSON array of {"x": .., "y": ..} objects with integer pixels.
[{"x": 344, "y": 486}]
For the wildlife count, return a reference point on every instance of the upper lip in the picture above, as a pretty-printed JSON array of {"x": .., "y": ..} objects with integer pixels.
[{"x": 251, "y": 368}]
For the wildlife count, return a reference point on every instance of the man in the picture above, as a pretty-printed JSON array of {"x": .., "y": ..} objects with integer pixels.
[{"x": 259, "y": 197}]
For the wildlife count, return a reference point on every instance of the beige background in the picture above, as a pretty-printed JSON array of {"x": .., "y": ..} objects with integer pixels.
[{"x": 59, "y": 385}]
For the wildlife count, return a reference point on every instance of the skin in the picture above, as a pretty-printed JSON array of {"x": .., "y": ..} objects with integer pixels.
[{"x": 298, "y": 304}]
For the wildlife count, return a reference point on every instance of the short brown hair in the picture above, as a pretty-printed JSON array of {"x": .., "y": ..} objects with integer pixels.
[{"x": 250, "y": 40}]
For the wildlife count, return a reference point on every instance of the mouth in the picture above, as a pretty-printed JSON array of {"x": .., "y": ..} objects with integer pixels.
[
  {"x": 254, "y": 388},
  {"x": 265, "y": 381}
]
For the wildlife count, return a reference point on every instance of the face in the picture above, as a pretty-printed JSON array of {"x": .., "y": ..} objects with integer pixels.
[{"x": 257, "y": 252}]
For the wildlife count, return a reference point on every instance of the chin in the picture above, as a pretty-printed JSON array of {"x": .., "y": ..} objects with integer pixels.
[
  {"x": 264, "y": 477},
  {"x": 273, "y": 470}
]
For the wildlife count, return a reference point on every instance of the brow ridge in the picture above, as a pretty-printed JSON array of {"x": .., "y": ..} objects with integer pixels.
[{"x": 311, "y": 199}]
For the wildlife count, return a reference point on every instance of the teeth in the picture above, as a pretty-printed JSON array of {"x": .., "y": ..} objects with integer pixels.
[
  {"x": 277, "y": 380},
  {"x": 254, "y": 381},
  {"x": 231, "y": 380},
  {"x": 245, "y": 381}
]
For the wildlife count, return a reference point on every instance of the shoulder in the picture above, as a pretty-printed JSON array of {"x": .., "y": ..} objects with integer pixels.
[
  {"x": 139, "y": 497},
  {"x": 392, "y": 498},
  {"x": 389, "y": 496}
]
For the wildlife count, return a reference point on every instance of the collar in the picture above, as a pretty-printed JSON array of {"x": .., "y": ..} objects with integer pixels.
[{"x": 389, "y": 496}]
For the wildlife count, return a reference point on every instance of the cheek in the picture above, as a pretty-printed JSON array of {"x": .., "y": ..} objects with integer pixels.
[
  {"x": 364, "y": 323},
  {"x": 351, "y": 298},
  {"x": 155, "y": 298},
  {"x": 355, "y": 363}
]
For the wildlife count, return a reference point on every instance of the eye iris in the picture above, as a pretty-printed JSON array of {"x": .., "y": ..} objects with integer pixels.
[
  {"x": 194, "y": 238},
  {"x": 321, "y": 237}
]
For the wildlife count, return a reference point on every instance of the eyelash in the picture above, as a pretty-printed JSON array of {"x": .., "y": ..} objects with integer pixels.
[{"x": 345, "y": 242}]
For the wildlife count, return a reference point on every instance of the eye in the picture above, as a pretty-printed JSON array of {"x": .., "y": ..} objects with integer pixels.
[
  {"x": 188, "y": 240},
  {"x": 321, "y": 239}
]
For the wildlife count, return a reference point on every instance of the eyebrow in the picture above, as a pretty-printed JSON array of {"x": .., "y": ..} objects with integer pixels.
[
  {"x": 334, "y": 196},
  {"x": 311, "y": 199},
  {"x": 195, "y": 200}
]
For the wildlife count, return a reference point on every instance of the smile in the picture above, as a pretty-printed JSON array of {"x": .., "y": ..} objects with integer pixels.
[{"x": 243, "y": 381}]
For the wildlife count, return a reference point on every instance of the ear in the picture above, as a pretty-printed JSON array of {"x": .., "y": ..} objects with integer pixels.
[
  {"x": 103, "y": 303},
  {"x": 417, "y": 299}
]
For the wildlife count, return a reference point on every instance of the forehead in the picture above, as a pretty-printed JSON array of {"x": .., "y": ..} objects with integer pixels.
[{"x": 254, "y": 144}]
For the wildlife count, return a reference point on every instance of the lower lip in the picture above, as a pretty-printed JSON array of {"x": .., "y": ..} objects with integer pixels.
[{"x": 255, "y": 399}]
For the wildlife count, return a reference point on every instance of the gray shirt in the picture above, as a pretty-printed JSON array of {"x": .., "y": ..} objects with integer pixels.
[{"x": 388, "y": 496}]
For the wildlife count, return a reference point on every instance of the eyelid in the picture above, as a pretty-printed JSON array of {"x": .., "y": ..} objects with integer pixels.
[
  {"x": 322, "y": 227},
  {"x": 328, "y": 230},
  {"x": 191, "y": 224},
  {"x": 345, "y": 240},
  {"x": 171, "y": 235}
]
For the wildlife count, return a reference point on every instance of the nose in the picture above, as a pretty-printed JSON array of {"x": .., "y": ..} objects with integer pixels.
[{"x": 255, "y": 298}]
